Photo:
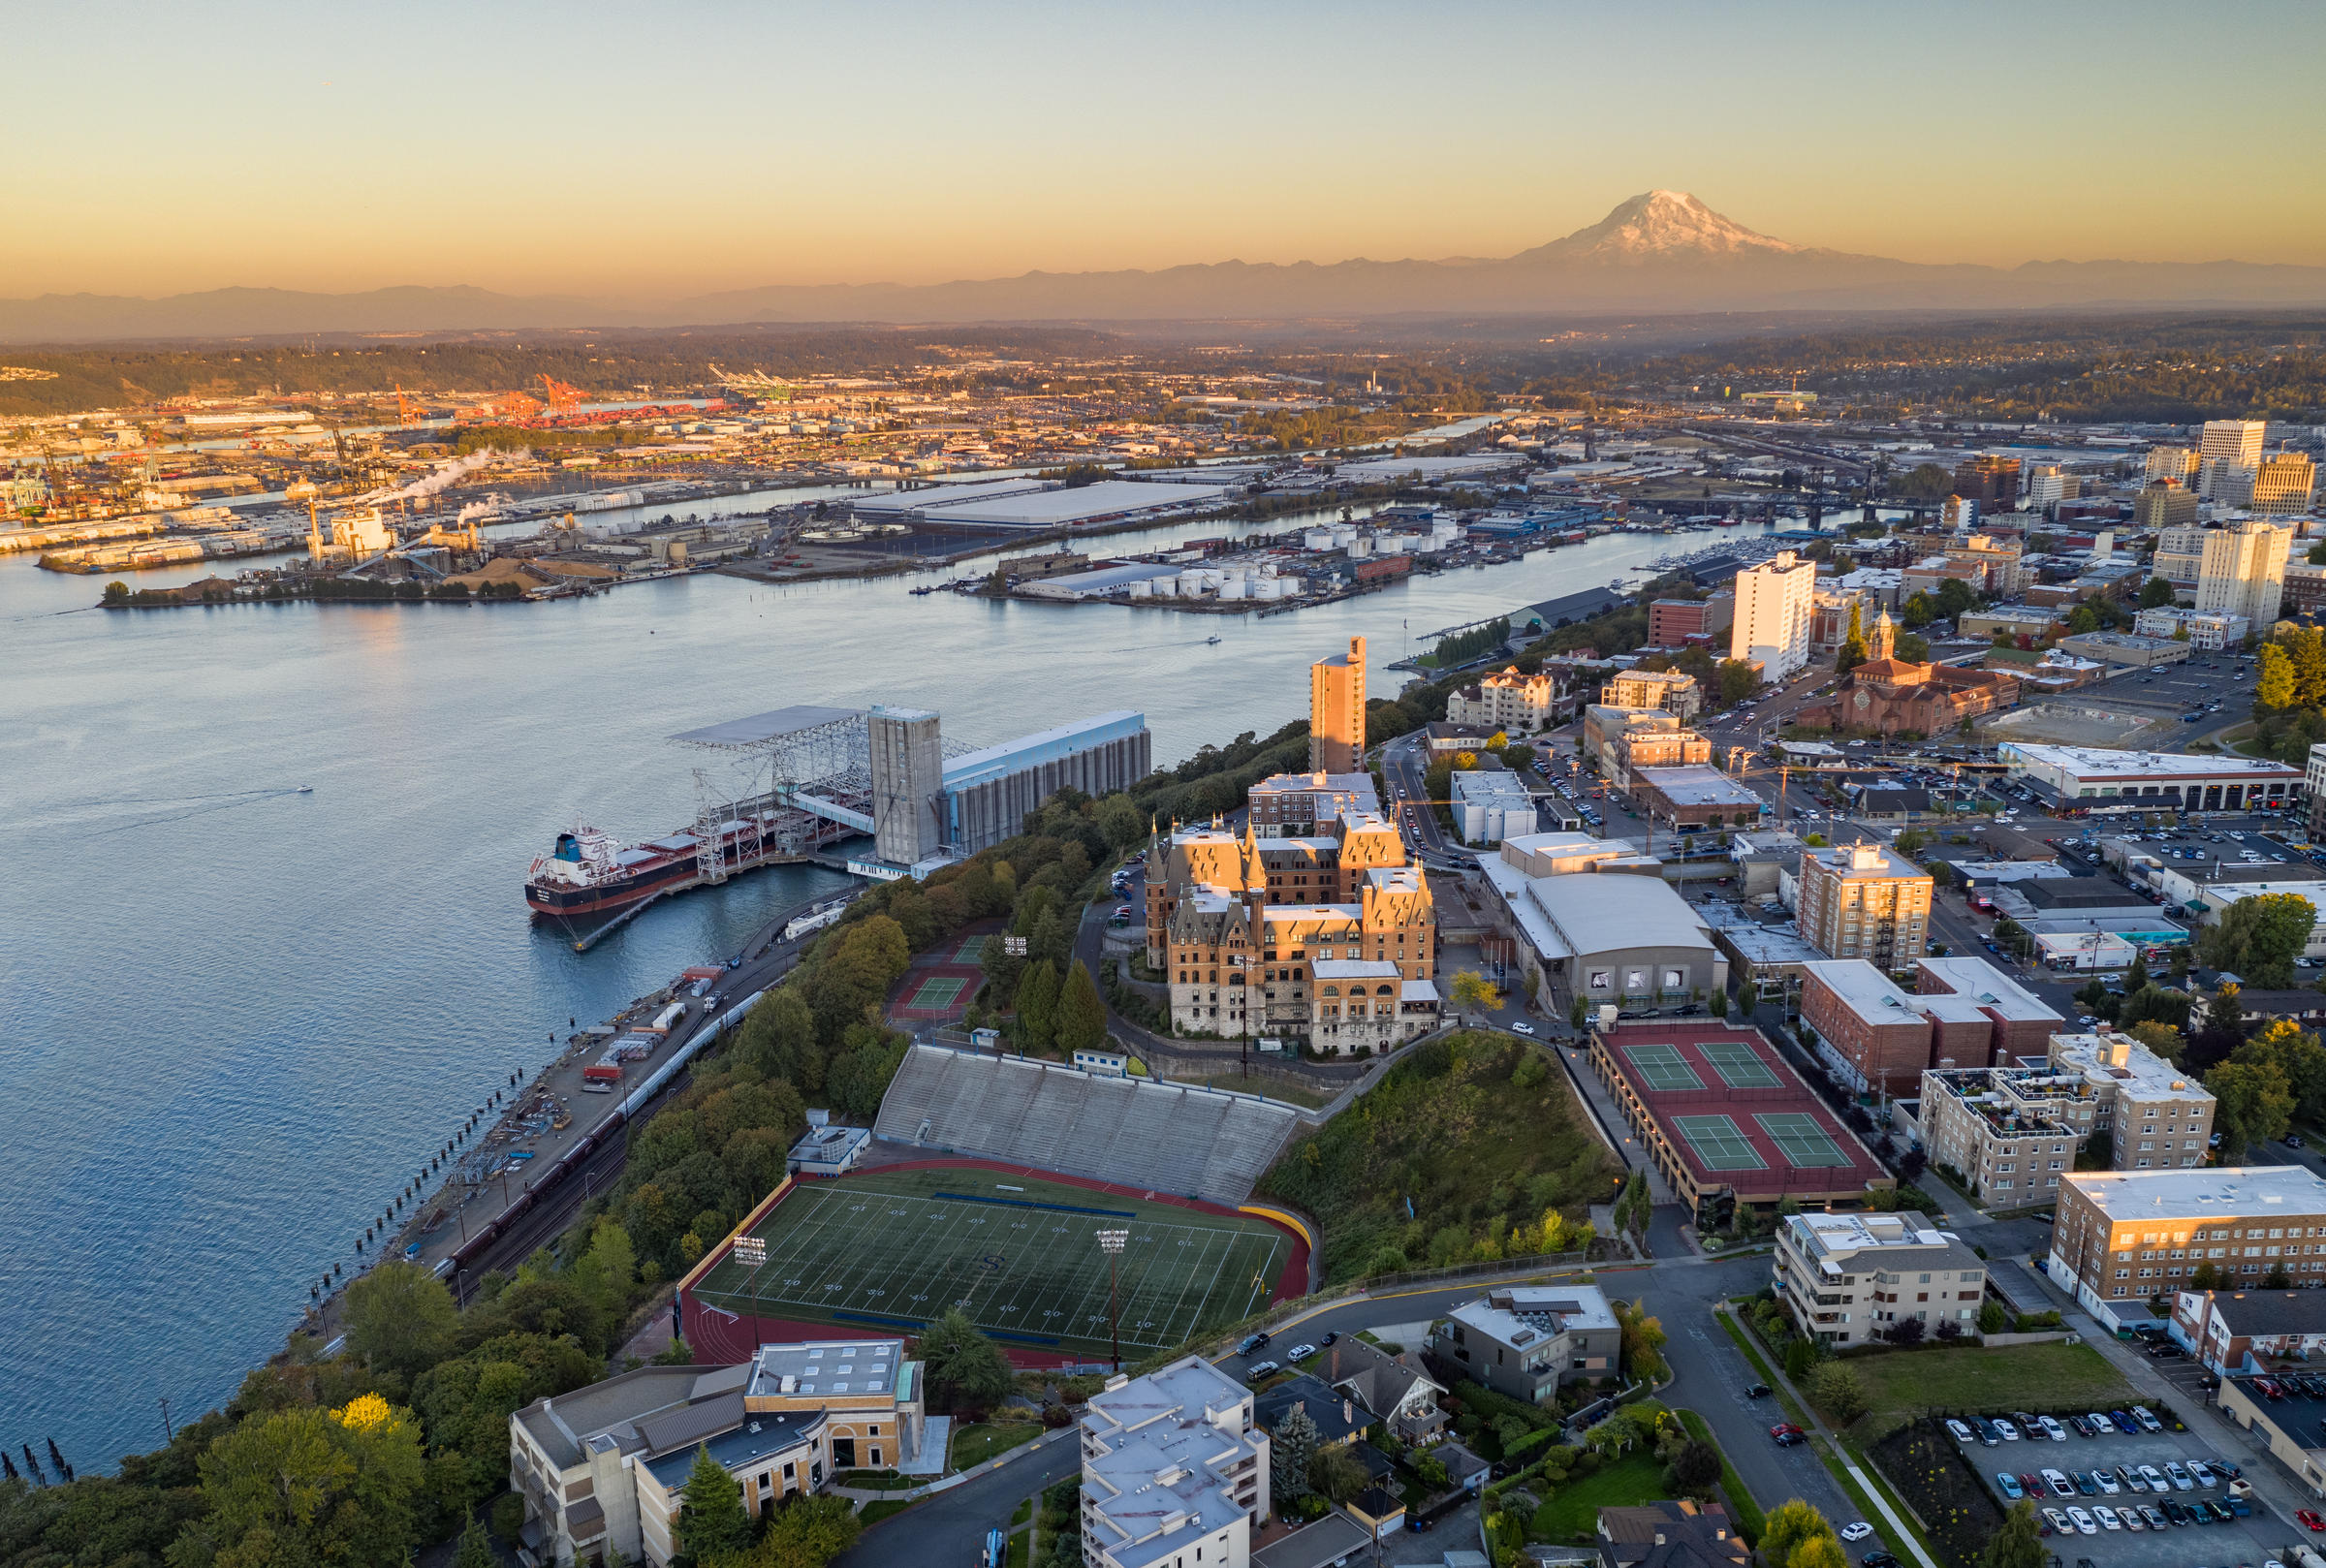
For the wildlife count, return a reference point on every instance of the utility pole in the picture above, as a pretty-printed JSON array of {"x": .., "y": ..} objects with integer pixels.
[{"x": 1111, "y": 1242}]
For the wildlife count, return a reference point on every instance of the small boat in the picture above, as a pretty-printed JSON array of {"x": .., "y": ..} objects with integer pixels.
[
  {"x": 307, "y": 789},
  {"x": 1209, "y": 641}
]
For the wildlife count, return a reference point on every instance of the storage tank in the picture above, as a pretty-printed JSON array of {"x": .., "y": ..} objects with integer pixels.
[
  {"x": 1144, "y": 589},
  {"x": 1232, "y": 589},
  {"x": 1317, "y": 539},
  {"x": 1360, "y": 549}
]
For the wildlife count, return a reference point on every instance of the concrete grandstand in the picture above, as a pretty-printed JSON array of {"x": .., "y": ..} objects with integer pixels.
[{"x": 1135, "y": 1132}]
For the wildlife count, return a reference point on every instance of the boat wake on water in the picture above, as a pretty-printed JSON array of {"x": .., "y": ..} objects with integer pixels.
[{"x": 183, "y": 806}]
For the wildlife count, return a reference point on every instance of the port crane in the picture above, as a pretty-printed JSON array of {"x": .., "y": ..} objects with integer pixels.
[{"x": 564, "y": 397}]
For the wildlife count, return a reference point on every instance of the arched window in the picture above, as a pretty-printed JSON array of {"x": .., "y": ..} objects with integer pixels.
[
  {"x": 1384, "y": 990},
  {"x": 1332, "y": 991}
]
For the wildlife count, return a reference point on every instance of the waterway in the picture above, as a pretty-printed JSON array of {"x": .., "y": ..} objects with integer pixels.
[{"x": 237, "y": 1017}]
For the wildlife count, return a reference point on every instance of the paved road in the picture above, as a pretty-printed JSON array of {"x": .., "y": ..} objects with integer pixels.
[{"x": 947, "y": 1528}]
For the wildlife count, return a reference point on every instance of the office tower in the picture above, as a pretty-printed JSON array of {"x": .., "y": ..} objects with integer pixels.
[
  {"x": 2233, "y": 441},
  {"x": 1992, "y": 482},
  {"x": 2176, "y": 463},
  {"x": 2285, "y": 482},
  {"x": 1337, "y": 711},
  {"x": 1775, "y": 603},
  {"x": 2163, "y": 505}
]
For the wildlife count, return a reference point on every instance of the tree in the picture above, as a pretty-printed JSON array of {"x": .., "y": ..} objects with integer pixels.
[
  {"x": 2274, "y": 686},
  {"x": 2157, "y": 592},
  {"x": 1991, "y": 1318},
  {"x": 1080, "y": 1023},
  {"x": 1821, "y": 1551},
  {"x": 1337, "y": 1473},
  {"x": 961, "y": 1363},
  {"x": 399, "y": 1319},
  {"x": 2208, "y": 1277},
  {"x": 1905, "y": 1332},
  {"x": 713, "y": 1523},
  {"x": 2255, "y": 1104},
  {"x": 2162, "y": 1039},
  {"x": 1294, "y": 1444},
  {"x": 476, "y": 1547},
  {"x": 608, "y": 1270},
  {"x": 1835, "y": 1388},
  {"x": 808, "y": 1532},
  {"x": 310, "y": 1486},
  {"x": 1644, "y": 1339},
  {"x": 2301, "y": 1057},
  {"x": 1695, "y": 1469},
  {"x": 1853, "y": 642},
  {"x": 1470, "y": 990},
  {"x": 1918, "y": 610},
  {"x": 779, "y": 1037},
  {"x": 1954, "y": 596},
  {"x": 2277, "y": 1278},
  {"x": 1037, "y": 1005},
  {"x": 2017, "y": 1543},
  {"x": 1737, "y": 681},
  {"x": 1720, "y": 1001},
  {"x": 1788, "y": 1527},
  {"x": 2259, "y": 938}
]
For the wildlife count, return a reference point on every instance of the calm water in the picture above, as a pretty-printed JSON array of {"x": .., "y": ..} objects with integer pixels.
[{"x": 236, "y": 1018}]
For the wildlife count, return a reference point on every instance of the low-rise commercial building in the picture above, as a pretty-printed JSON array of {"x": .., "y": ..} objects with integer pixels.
[
  {"x": 2300, "y": 1451},
  {"x": 1173, "y": 1463},
  {"x": 2126, "y": 649},
  {"x": 1524, "y": 1343},
  {"x": 1847, "y": 1279},
  {"x": 1491, "y": 804},
  {"x": 2199, "y": 629},
  {"x": 1585, "y": 928},
  {"x": 1727, "y": 1121},
  {"x": 1697, "y": 797},
  {"x": 2123, "y": 1237},
  {"x": 1646, "y": 746},
  {"x": 2167, "y": 780}
]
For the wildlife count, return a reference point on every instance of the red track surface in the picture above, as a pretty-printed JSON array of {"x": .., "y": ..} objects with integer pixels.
[{"x": 723, "y": 1339}]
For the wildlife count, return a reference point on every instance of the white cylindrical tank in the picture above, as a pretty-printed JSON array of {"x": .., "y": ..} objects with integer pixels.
[
  {"x": 1360, "y": 549},
  {"x": 1232, "y": 589},
  {"x": 1317, "y": 539},
  {"x": 1142, "y": 590}
]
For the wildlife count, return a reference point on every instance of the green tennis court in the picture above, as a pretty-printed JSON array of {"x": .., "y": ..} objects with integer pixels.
[
  {"x": 1739, "y": 1065},
  {"x": 939, "y": 990},
  {"x": 1662, "y": 1067},
  {"x": 971, "y": 951},
  {"x": 1719, "y": 1143},
  {"x": 1803, "y": 1143}
]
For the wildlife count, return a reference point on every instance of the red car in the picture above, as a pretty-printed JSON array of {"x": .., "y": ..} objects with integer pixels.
[
  {"x": 2310, "y": 1517},
  {"x": 1784, "y": 1428}
]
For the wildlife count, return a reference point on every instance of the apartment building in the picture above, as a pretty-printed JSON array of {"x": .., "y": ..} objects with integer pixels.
[
  {"x": 2313, "y": 789},
  {"x": 2180, "y": 553},
  {"x": 2049, "y": 485},
  {"x": 2123, "y": 1237},
  {"x": 1174, "y": 1466},
  {"x": 2243, "y": 571},
  {"x": 1634, "y": 750},
  {"x": 1672, "y": 691},
  {"x": 2197, "y": 628},
  {"x": 603, "y": 1468},
  {"x": 1293, "y": 805},
  {"x": 1849, "y": 1278},
  {"x": 1863, "y": 901},
  {"x": 2011, "y": 1130},
  {"x": 1524, "y": 1342},
  {"x": 1509, "y": 701},
  {"x": 1337, "y": 711},
  {"x": 1775, "y": 601},
  {"x": 1679, "y": 623},
  {"x": 1491, "y": 804},
  {"x": 1879, "y": 1036},
  {"x": 2230, "y": 1330}
]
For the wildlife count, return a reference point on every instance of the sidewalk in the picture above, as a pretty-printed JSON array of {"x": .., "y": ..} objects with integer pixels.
[{"x": 867, "y": 1494}]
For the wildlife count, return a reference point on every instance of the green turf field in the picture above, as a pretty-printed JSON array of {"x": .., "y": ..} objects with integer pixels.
[
  {"x": 940, "y": 990},
  {"x": 894, "y": 1249}
]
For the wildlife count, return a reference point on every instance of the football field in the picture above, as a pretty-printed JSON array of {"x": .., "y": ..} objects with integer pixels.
[{"x": 1020, "y": 1256}]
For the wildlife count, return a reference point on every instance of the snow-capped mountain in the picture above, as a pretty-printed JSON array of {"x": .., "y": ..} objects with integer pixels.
[{"x": 1660, "y": 226}]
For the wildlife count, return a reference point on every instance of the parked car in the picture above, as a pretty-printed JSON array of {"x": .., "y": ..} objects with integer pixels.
[
  {"x": 1330, "y": 1337},
  {"x": 2107, "y": 1516},
  {"x": 1299, "y": 1353},
  {"x": 1522, "y": 1026},
  {"x": 2180, "y": 1479},
  {"x": 2008, "y": 1485},
  {"x": 2154, "y": 1478},
  {"x": 2086, "y": 1524},
  {"x": 2219, "y": 1509},
  {"x": 2147, "y": 1418},
  {"x": 2003, "y": 1428},
  {"x": 2060, "y": 1486},
  {"x": 2084, "y": 1483},
  {"x": 2199, "y": 1473},
  {"x": 1857, "y": 1531},
  {"x": 2107, "y": 1484},
  {"x": 2052, "y": 1429},
  {"x": 2311, "y": 1518},
  {"x": 2083, "y": 1427},
  {"x": 2153, "y": 1516},
  {"x": 1760, "y": 1391},
  {"x": 1261, "y": 1369},
  {"x": 2058, "y": 1522}
]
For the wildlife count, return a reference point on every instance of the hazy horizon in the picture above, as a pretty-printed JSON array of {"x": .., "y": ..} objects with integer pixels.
[{"x": 572, "y": 151}]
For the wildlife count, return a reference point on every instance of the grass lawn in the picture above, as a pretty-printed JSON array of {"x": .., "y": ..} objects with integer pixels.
[
  {"x": 1574, "y": 1509},
  {"x": 875, "y": 1513},
  {"x": 1741, "y": 1504},
  {"x": 1025, "y": 1511},
  {"x": 1022, "y": 1548},
  {"x": 975, "y": 1445},
  {"x": 2055, "y": 1376}
]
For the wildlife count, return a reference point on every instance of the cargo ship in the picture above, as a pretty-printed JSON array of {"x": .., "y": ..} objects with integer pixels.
[{"x": 587, "y": 875}]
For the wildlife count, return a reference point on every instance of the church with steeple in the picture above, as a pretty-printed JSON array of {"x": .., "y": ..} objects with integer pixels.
[{"x": 1889, "y": 696}]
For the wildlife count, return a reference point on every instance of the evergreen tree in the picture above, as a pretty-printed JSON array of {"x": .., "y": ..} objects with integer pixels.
[
  {"x": 476, "y": 1547},
  {"x": 1037, "y": 1005},
  {"x": 1081, "y": 1020},
  {"x": 1853, "y": 645},
  {"x": 714, "y": 1523},
  {"x": 961, "y": 1363},
  {"x": 1292, "y": 1444}
]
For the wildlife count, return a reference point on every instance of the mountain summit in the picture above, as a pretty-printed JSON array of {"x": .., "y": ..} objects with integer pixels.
[{"x": 1660, "y": 226}]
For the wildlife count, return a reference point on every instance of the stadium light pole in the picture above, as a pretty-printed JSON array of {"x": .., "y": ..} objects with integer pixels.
[{"x": 1111, "y": 1242}]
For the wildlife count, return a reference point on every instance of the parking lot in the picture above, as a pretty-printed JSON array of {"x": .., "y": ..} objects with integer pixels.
[
  {"x": 2255, "y": 1537},
  {"x": 2188, "y": 687},
  {"x": 2295, "y": 1400}
]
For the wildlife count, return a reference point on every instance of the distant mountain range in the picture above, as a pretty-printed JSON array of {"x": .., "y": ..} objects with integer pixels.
[{"x": 1661, "y": 251}]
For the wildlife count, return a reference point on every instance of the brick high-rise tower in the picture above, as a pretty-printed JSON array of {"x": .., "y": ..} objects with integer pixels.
[{"x": 1337, "y": 711}]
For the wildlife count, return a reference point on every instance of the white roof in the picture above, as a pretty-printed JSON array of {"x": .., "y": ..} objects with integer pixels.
[
  {"x": 2092, "y": 762},
  {"x": 1698, "y": 785},
  {"x": 2202, "y": 1194},
  {"x": 1864, "y": 989},
  {"x": 2141, "y": 1073},
  {"x": 1586, "y": 912}
]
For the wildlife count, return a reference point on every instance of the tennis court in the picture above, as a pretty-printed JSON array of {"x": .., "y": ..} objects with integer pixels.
[
  {"x": 1803, "y": 1143},
  {"x": 971, "y": 951},
  {"x": 1719, "y": 1143},
  {"x": 1020, "y": 1257},
  {"x": 1662, "y": 1067},
  {"x": 1739, "y": 1065},
  {"x": 937, "y": 993}
]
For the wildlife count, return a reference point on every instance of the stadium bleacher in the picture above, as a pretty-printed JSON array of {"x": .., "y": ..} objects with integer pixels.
[{"x": 1162, "y": 1137}]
